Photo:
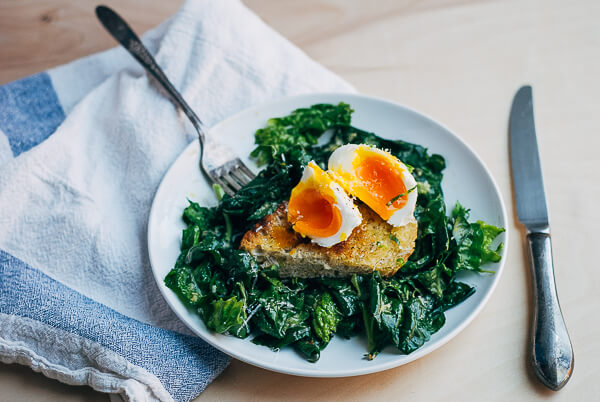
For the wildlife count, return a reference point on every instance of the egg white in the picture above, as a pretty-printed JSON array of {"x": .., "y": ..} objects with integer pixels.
[
  {"x": 405, "y": 214},
  {"x": 341, "y": 164},
  {"x": 350, "y": 215}
]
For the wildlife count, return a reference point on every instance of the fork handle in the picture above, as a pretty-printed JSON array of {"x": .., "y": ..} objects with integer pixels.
[{"x": 119, "y": 29}]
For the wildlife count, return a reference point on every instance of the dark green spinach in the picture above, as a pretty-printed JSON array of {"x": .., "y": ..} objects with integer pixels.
[{"x": 235, "y": 295}]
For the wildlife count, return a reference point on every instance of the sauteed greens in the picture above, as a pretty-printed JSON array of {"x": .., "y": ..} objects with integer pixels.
[{"x": 234, "y": 295}]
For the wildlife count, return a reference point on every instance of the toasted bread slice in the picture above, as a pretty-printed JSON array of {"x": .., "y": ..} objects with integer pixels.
[{"x": 373, "y": 245}]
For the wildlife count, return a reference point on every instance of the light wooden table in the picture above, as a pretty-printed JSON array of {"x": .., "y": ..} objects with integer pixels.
[{"x": 461, "y": 62}]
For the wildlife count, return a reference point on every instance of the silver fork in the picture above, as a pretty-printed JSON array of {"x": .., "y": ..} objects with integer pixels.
[{"x": 218, "y": 163}]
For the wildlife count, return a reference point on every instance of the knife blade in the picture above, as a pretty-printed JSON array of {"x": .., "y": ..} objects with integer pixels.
[
  {"x": 551, "y": 349},
  {"x": 527, "y": 172}
]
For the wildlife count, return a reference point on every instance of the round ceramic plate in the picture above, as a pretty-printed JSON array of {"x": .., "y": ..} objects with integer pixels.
[{"x": 466, "y": 179}]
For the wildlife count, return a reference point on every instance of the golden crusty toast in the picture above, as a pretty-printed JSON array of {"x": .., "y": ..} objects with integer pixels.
[{"x": 373, "y": 245}]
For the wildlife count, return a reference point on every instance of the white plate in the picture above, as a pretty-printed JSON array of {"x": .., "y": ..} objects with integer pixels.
[{"x": 466, "y": 179}]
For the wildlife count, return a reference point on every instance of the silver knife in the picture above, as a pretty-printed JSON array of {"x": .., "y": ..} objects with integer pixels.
[{"x": 551, "y": 350}]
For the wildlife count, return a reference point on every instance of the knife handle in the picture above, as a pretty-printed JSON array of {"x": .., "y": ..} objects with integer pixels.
[{"x": 552, "y": 353}]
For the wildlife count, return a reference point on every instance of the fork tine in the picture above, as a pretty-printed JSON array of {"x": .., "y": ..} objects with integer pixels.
[
  {"x": 231, "y": 181},
  {"x": 223, "y": 184},
  {"x": 247, "y": 171},
  {"x": 240, "y": 176}
]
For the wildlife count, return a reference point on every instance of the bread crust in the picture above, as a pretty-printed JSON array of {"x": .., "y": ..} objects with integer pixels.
[{"x": 373, "y": 245}]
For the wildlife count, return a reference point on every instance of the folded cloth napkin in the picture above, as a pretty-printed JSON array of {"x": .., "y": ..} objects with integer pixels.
[{"x": 83, "y": 148}]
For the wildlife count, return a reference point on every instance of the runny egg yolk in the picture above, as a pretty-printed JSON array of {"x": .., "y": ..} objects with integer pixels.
[
  {"x": 380, "y": 183},
  {"x": 313, "y": 213},
  {"x": 312, "y": 208}
]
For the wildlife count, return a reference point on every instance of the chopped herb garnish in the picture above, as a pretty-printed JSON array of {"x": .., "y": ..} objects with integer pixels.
[{"x": 393, "y": 200}]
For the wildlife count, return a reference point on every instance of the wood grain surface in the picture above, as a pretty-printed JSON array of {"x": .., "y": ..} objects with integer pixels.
[{"x": 459, "y": 61}]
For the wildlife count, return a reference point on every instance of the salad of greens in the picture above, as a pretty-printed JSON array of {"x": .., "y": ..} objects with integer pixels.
[{"x": 235, "y": 295}]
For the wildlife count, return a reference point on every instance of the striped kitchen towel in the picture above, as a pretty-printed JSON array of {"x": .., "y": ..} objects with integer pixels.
[{"x": 83, "y": 148}]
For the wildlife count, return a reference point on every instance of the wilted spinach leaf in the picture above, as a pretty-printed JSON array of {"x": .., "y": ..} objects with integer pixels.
[
  {"x": 325, "y": 317},
  {"x": 310, "y": 348},
  {"x": 344, "y": 294},
  {"x": 228, "y": 316},
  {"x": 281, "y": 310},
  {"x": 182, "y": 281},
  {"x": 301, "y": 129},
  {"x": 422, "y": 320},
  {"x": 490, "y": 232},
  {"x": 472, "y": 242},
  {"x": 455, "y": 293}
]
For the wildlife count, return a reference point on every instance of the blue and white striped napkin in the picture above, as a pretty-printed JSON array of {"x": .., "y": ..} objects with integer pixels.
[{"x": 82, "y": 150}]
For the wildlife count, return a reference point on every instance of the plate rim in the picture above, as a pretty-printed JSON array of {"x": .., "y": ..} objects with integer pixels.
[{"x": 425, "y": 349}]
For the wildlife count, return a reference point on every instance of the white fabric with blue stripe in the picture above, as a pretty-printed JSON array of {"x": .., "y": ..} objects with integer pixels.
[{"x": 82, "y": 150}]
